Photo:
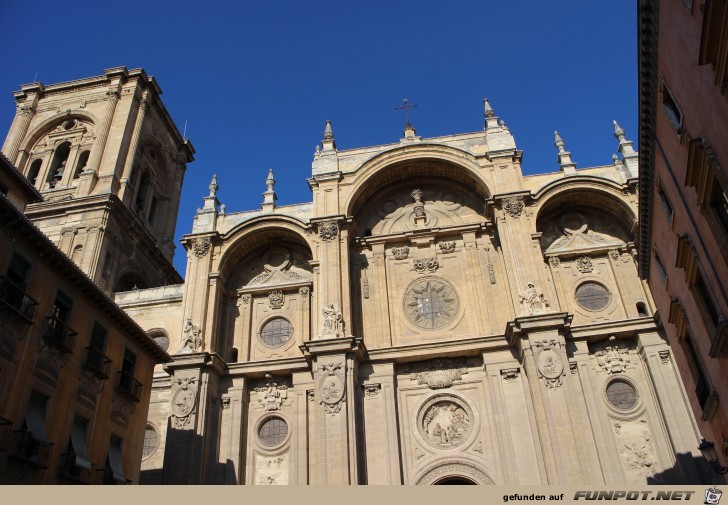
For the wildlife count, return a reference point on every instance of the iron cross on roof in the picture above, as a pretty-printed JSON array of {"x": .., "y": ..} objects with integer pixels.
[{"x": 406, "y": 107}]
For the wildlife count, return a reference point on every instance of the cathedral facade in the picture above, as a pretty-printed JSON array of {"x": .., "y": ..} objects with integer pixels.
[{"x": 431, "y": 316}]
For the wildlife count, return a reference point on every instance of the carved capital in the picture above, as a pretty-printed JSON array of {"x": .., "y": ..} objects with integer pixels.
[
  {"x": 200, "y": 246},
  {"x": 513, "y": 206},
  {"x": 328, "y": 230}
]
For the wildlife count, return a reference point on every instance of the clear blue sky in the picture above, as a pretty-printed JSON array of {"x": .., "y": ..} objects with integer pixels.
[{"x": 257, "y": 79}]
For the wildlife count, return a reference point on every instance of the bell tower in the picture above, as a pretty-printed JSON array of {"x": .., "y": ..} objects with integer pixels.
[{"x": 109, "y": 162}]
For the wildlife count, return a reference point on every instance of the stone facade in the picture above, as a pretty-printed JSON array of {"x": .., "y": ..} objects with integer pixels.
[{"x": 431, "y": 316}]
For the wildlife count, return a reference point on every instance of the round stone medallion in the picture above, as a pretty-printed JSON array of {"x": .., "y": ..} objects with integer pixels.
[
  {"x": 430, "y": 303},
  {"x": 445, "y": 421}
]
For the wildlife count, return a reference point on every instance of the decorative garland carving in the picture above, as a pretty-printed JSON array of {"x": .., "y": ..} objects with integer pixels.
[
  {"x": 447, "y": 247},
  {"x": 491, "y": 273},
  {"x": 400, "y": 253},
  {"x": 365, "y": 284},
  {"x": 427, "y": 265},
  {"x": 328, "y": 230},
  {"x": 548, "y": 362},
  {"x": 664, "y": 356},
  {"x": 437, "y": 373},
  {"x": 332, "y": 386},
  {"x": 372, "y": 390},
  {"x": 513, "y": 205},
  {"x": 276, "y": 299},
  {"x": 510, "y": 374},
  {"x": 183, "y": 402},
  {"x": 584, "y": 264},
  {"x": 200, "y": 246}
]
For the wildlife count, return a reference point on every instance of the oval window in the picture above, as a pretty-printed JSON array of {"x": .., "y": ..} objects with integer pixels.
[
  {"x": 273, "y": 432},
  {"x": 593, "y": 296},
  {"x": 621, "y": 395},
  {"x": 276, "y": 332}
]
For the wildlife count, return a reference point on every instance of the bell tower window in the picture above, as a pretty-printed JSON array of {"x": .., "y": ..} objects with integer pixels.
[
  {"x": 34, "y": 171},
  {"x": 81, "y": 164},
  {"x": 58, "y": 166}
]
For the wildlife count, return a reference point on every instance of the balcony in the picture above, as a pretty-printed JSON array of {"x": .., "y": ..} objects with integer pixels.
[
  {"x": 14, "y": 300},
  {"x": 72, "y": 471},
  {"x": 30, "y": 449},
  {"x": 105, "y": 477},
  {"x": 59, "y": 335},
  {"x": 6, "y": 429},
  {"x": 128, "y": 387},
  {"x": 97, "y": 363}
]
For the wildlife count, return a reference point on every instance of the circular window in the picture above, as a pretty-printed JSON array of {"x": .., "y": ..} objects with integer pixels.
[
  {"x": 276, "y": 332},
  {"x": 151, "y": 441},
  {"x": 621, "y": 395},
  {"x": 593, "y": 296},
  {"x": 162, "y": 341},
  {"x": 273, "y": 432},
  {"x": 430, "y": 303}
]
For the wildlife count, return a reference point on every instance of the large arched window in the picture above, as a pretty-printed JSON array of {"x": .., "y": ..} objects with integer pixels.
[
  {"x": 81, "y": 164},
  {"x": 34, "y": 171},
  {"x": 58, "y": 165}
]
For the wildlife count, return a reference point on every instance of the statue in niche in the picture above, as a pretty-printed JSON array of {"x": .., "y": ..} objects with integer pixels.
[
  {"x": 192, "y": 340},
  {"x": 533, "y": 300},
  {"x": 333, "y": 321}
]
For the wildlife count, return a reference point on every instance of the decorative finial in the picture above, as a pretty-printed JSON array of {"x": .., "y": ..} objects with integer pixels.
[
  {"x": 270, "y": 181},
  {"x": 618, "y": 131},
  {"x": 559, "y": 143},
  {"x": 629, "y": 156},
  {"x": 615, "y": 159},
  {"x": 328, "y": 132},
  {"x": 488, "y": 109},
  {"x": 564, "y": 159},
  {"x": 213, "y": 185}
]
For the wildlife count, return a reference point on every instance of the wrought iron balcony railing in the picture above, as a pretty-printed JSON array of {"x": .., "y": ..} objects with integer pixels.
[
  {"x": 105, "y": 477},
  {"x": 129, "y": 387},
  {"x": 6, "y": 429},
  {"x": 30, "y": 449},
  {"x": 14, "y": 300},
  {"x": 97, "y": 363},
  {"x": 71, "y": 470},
  {"x": 60, "y": 335}
]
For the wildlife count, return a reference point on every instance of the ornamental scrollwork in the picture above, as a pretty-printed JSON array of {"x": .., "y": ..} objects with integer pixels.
[
  {"x": 400, "y": 253},
  {"x": 200, "y": 246},
  {"x": 447, "y": 247},
  {"x": 328, "y": 230},
  {"x": 548, "y": 362},
  {"x": 332, "y": 386},
  {"x": 513, "y": 206},
  {"x": 584, "y": 264},
  {"x": 437, "y": 373},
  {"x": 183, "y": 402},
  {"x": 276, "y": 299},
  {"x": 426, "y": 265}
]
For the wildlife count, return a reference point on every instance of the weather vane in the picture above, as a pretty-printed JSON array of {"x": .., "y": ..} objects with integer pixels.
[{"x": 406, "y": 107}]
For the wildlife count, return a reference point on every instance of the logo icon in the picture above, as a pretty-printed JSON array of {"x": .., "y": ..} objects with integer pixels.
[{"x": 712, "y": 495}]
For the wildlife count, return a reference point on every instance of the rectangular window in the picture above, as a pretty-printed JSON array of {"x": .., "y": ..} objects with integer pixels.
[
  {"x": 114, "y": 462},
  {"x": 79, "y": 444},
  {"x": 706, "y": 300},
  {"x": 660, "y": 268},
  {"x": 664, "y": 202},
  {"x": 13, "y": 287},
  {"x": 713, "y": 47},
  {"x": 674, "y": 113},
  {"x": 719, "y": 203},
  {"x": 152, "y": 211},
  {"x": 62, "y": 307}
]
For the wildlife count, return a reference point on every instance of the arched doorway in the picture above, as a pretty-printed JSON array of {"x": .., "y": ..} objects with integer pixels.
[{"x": 454, "y": 481}]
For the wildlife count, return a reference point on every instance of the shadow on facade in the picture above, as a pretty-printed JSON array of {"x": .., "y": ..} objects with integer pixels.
[
  {"x": 188, "y": 461},
  {"x": 688, "y": 469}
]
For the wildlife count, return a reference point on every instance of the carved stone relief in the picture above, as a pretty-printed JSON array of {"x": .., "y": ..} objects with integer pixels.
[
  {"x": 332, "y": 386},
  {"x": 533, "y": 300},
  {"x": 328, "y": 230},
  {"x": 426, "y": 265},
  {"x": 278, "y": 265},
  {"x": 554, "y": 261},
  {"x": 365, "y": 284},
  {"x": 192, "y": 340},
  {"x": 573, "y": 231},
  {"x": 636, "y": 450},
  {"x": 613, "y": 359},
  {"x": 584, "y": 264},
  {"x": 614, "y": 254},
  {"x": 183, "y": 402},
  {"x": 455, "y": 470},
  {"x": 400, "y": 253},
  {"x": 225, "y": 402},
  {"x": 304, "y": 291},
  {"x": 548, "y": 362},
  {"x": 271, "y": 470},
  {"x": 510, "y": 374},
  {"x": 447, "y": 247},
  {"x": 372, "y": 390},
  {"x": 430, "y": 303},
  {"x": 445, "y": 421},
  {"x": 664, "y": 356},
  {"x": 272, "y": 392},
  {"x": 513, "y": 206},
  {"x": 333, "y": 322},
  {"x": 245, "y": 298},
  {"x": 437, "y": 373},
  {"x": 276, "y": 299},
  {"x": 200, "y": 246}
]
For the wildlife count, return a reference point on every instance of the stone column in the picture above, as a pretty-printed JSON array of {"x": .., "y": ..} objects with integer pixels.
[
  {"x": 330, "y": 288},
  {"x": 233, "y": 431},
  {"x": 103, "y": 128},
  {"x": 333, "y": 434},
  {"x": 131, "y": 155},
  {"x": 23, "y": 115},
  {"x": 197, "y": 287}
]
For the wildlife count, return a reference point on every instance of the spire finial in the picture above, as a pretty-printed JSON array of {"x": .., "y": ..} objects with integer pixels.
[
  {"x": 488, "y": 109},
  {"x": 618, "y": 132},
  {"x": 328, "y": 132},
  {"x": 564, "y": 159},
  {"x": 213, "y": 185},
  {"x": 328, "y": 143},
  {"x": 269, "y": 197},
  {"x": 629, "y": 155}
]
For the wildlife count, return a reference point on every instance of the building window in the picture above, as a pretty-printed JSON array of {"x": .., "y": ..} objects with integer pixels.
[
  {"x": 673, "y": 111},
  {"x": 34, "y": 171},
  {"x": 58, "y": 165},
  {"x": 114, "y": 472},
  {"x": 664, "y": 203},
  {"x": 687, "y": 259},
  {"x": 430, "y": 303},
  {"x": 621, "y": 395},
  {"x": 705, "y": 174},
  {"x": 77, "y": 458},
  {"x": 151, "y": 441},
  {"x": 96, "y": 361},
  {"x": 660, "y": 268},
  {"x": 593, "y": 296},
  {"x": 276, "y": 332},
  {"x": 81, "y": 164},
  {"x": 713, "y": 47},
  {"x": 273, "y": 432}
]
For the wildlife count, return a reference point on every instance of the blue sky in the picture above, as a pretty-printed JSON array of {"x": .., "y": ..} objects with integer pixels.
[{"x": 257, "y": 79}]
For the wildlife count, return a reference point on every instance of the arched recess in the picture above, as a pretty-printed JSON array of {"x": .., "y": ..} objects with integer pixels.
[
  {"x": 57, "y": 125},
  {"x": 414, "y": 163},
  {"x": 269, "y": 282},
  {"x": 160, "y": 337},
  {"x": 454, "y": 470},
  {"x": 129, "y": 281}
]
